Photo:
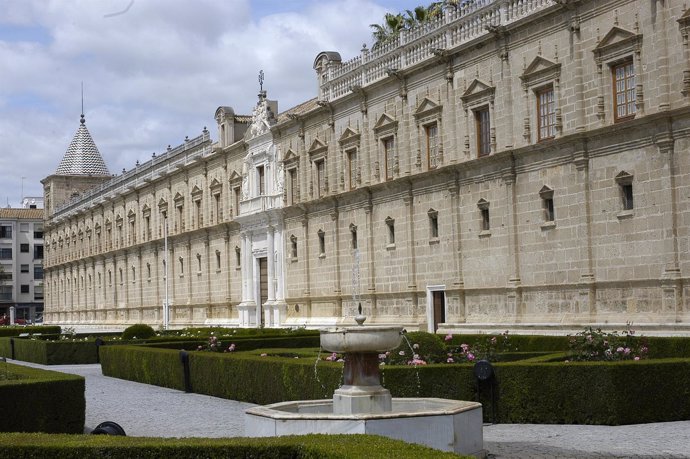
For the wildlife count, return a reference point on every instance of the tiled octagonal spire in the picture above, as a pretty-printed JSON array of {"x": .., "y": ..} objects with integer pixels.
[{"x": 82, "y": 156}]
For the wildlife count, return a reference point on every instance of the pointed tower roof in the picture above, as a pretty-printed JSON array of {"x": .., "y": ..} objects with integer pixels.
[{"x": 82, "y": 156}]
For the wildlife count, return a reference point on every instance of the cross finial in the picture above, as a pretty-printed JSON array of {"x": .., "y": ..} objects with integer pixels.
[
  {"x": 261, "y": 80},
  {"x": 82, "y": 103}
]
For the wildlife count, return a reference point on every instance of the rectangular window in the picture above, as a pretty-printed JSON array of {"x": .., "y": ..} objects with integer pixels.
[
  {"x": 38, "y": 231},
  {"x": 390, "y": 224},
  {"x": 198, "y": 216},
  {"x": 293, "y": 247},
  {"x": 5, "y": 275},
  {"x": 217, "y": 260},
  {"x": 38, "y": 272},
  {"x": 238, "y": 258},
  {"x": 24, "y": 227},
  {"x": 549, "y": 213},
  {"x": 261, "y": 178},
  {"x": 5, "y": 292},
  {"x": 5, "y": 232},
  {"x": 486, "y": 225},
  {"x": 389, "y": 156},
  {"x": 38, "y": 252},
  {"x": 24, "y": 248},
  {"x": 483, "y": 131},
  {"x": 546, "y": 109},
  {"x": 627, "y": 196},
  {"x": 238, "y": 196},
  {"x": 292, "y": 186},
  {"x": 433, "y": 225},
  {"x": 320, "y": 177},
  {"x": 24, "y": 268},
  {"x": 147, "y": 227},
  {"x": 24, "y": 288},
  {"x": 432, "y": 145},
  {"x": 354, "y": 238},
  {"x": 322, "y": 243},
  {"x": 352, "y": 168},
  {"x": 624, "y": 90},
  {"x": 216, "y": 204},
  {"x": 38, "y": 292},
  {"x": 6, "y": 254}
]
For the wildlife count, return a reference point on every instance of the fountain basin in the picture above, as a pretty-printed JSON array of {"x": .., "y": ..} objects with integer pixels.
[
  {"x": 447, "y": 425},
  {"x": 361, "y": 339}
]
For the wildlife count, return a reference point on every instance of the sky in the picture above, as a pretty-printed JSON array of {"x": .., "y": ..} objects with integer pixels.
[{"x": 154, "y": 71}]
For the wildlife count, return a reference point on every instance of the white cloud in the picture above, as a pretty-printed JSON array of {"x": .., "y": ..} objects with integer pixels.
[{"x": 154, "y": 73}]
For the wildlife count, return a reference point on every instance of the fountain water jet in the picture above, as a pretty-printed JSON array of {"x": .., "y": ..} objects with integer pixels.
[{"x": 363, "y": 406}]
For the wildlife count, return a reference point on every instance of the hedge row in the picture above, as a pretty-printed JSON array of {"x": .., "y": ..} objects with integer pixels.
[
  {"x": 41, "y": 401},
  {"x": 49, "y": 352},
  {"x": 243, "y": 343},
  {"x": 18, "y": 330},
  {"x": 528, "y": 391},
  {"x": 25, "y": 446}
]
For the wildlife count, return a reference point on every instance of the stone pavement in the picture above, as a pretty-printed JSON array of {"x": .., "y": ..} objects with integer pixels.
[{"x": 143, "y": 410}]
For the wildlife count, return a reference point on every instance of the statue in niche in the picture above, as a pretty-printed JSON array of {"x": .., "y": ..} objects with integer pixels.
[
  {"x": 280, "y": 179},
  {"x": 245, "y": 180}
]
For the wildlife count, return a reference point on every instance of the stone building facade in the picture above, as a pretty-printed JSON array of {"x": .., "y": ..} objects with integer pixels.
[{"x": 512, "y": 163}]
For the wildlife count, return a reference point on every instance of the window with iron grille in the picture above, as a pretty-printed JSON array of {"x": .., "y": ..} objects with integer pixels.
[
  {"x": 623, "y": 75},
  {"x": 546, "y": 109}
]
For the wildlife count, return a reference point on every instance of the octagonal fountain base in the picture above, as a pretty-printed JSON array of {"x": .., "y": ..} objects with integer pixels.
[{"x": 447, "y": 425}]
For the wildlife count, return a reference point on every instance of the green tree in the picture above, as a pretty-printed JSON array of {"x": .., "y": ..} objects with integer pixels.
[{"x": 389, "y": 30}]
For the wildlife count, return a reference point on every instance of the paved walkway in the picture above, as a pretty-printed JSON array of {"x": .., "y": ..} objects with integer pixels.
[{"x": 151, "y": 411}]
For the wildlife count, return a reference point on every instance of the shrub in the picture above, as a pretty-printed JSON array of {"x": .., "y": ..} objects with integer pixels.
[
  {"x": 36, "y": 400},
  {"x": 593, "y": 345},
  {"x": 140, "y": 331},
  {"x": 484, "y": 348},
  {"x": 417, "y": 348}
]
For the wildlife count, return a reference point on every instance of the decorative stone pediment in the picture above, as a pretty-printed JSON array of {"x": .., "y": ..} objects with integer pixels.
[
  {"x": 546, "y": 192},
  {"x": 179, "y": 199},
  {"x": 146, "y": 210},
  {"x": 162, "y": 205},
  {"x": 215, "y": 186},
  {"x": 349, "y": 136},
  {"x": 290, "y": 159},
  {"x": 235, "y": 177},
  {"x": 317, "y": 149},
  {"x": 477, "y": 93},
  {"x": 385, "y": 123},
  {"x": 540, "y": 71},
  {"x": 617, "y": 43},
  {"x": 483, "y": 204},
  {"x": 624, "y": 178},
  {"x": 262, "y": 118},
  {"x": 131, "y": 215},
  {"x": 196, "y": 193},
  {"x": 118, "y": 220},
  {"x": 427, "y": 108}
]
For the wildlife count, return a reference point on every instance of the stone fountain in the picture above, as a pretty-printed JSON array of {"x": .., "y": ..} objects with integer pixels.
[{"x": 362, "y": 406}]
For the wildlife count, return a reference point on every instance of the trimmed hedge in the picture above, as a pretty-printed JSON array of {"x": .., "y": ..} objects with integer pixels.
[
  {"x": 21, "y": 446},
  {"x": 50, "y": 352},
  {"x": 17, "y": 330},
  {"x": 160, "y": 367},
  {"x": 42, "y": 401},
  {"x": 539, "y": 390}
]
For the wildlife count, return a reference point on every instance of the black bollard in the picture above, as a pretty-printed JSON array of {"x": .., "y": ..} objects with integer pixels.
[
  {"x": 109, "y": 428},
  {"x": 99, "y": 343},
  {"x": 184, "y": 358},
  {"x": 484, "y": 374}
]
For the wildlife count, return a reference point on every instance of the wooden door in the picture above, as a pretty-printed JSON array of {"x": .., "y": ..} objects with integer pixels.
[{"x": 439, "y": 301}]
